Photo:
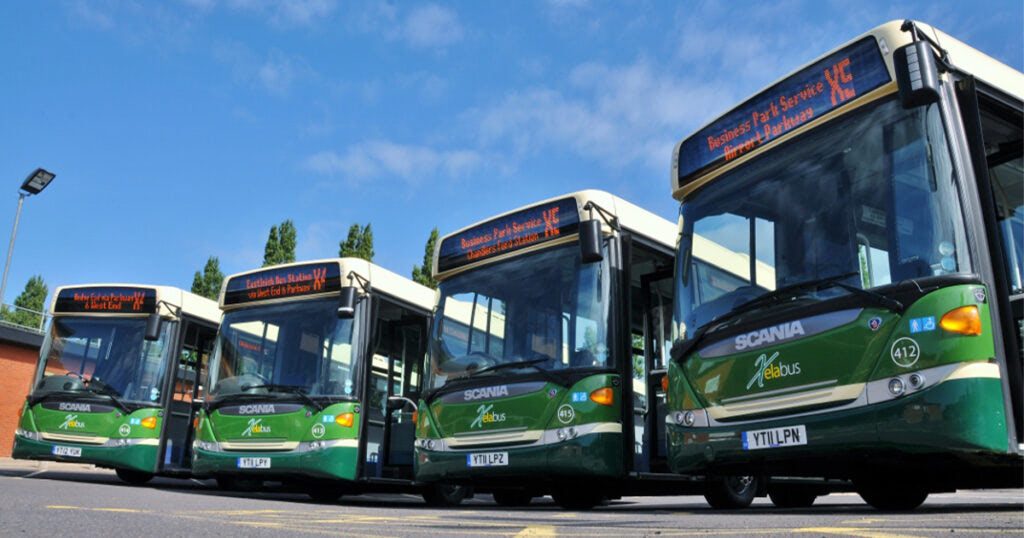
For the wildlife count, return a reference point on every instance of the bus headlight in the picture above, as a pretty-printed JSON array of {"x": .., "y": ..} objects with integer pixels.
[
  {"x": 30, "y": 435},
  {"x": 561, "y": 434},
  {"x": 896, "y": 386},
  {"x": 916, "y": 380}
]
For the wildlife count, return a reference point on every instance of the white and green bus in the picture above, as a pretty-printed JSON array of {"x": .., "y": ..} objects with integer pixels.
[
  {"x": 883, "y": 184},
  {"x": 119, "y": 378},
  {"x": 314, "y": 380}
]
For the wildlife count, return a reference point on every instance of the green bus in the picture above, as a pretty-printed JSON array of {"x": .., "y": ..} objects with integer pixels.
[
  {"x": 118, "y": 377},
  {"x": 547, "y": 351},
  {"x": 883, "y": 185},
  {"x": 314, "y": 379}
]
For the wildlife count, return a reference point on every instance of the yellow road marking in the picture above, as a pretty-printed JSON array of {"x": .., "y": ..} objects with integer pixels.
[
  {"x": 855, "y": 531},
  {"x": 536, "y": 530}
]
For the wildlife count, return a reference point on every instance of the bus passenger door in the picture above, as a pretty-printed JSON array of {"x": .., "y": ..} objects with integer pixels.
[
  {"x": 657, "y": 294},
  {"x": 399, "y": 347},
  {"x": 186, "y": 392}
]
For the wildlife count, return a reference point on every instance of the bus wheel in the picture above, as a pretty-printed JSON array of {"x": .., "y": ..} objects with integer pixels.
[
  {"x": 791, "y": 496},
  {"x": 578, "y": 499},
  {"x": 325, "y": 493},
  {"x": 230, "y": 483},
  {"x": 135, "y": 478},
  {"x": 730, "y": 492},
  {"x": 512, "y": 497},
  {"x": 442, "y": 495},
  {"x": 890, "y": 495}
]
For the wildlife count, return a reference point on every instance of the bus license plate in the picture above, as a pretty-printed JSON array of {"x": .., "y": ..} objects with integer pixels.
[
  {"x": 253, "y": 463},
  {"x": 775, "y": 437},
  {"x": 70, "y": 451},
  {"x": 487, "y": 459}
]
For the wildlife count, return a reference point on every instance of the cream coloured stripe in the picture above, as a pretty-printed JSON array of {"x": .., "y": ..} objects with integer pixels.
[
  {"x": 766, "y": 405},
  {"x": 968, "y": 370},
  {"x": 541, "y": 437}
]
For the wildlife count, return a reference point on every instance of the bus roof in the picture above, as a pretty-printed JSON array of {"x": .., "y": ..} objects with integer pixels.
[
  {"x": 530, "y": 219},
  {"x": 106, "y": 299},
  {"x": 339, "y": 271},
  {"x": 888, "y": 38}
]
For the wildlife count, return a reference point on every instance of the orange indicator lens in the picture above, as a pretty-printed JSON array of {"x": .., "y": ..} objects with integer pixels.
[
  {"x": 604, "y": 396},
  {"x": 149, "y": 422},
  {"x": 345, "y": 420},
  {"x": 965, "y": 320}
]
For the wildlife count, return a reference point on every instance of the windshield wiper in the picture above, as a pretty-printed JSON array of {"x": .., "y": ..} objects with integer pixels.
[
  {"x": 504, "y": 365},
  {"x": 531, "y": 363},
  {"x": 105, "y": 390},
  {"x": 683, "y": 348},
  {"x": 290, "y": 389}
]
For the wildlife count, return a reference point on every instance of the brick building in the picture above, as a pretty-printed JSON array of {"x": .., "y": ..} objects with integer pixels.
[{"x": 19, "y": 354}]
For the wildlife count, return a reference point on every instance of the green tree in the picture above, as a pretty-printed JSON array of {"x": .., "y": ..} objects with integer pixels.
[
  {"x": 287, "y": 241},
  {"x": 29, "y": 302},
  {"x": 272, "y": 251},
  {"x": 422, "y": 273},
  {"x": 281, "y": 244},
  {"x": 358, "y": 243},
  {"x": 209, "y": 281}
]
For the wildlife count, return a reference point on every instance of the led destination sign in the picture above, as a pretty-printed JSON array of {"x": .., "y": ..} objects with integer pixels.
[
  {"x": 810, "y": 94},
  {"x": 283, "y": 283},
  {"x": 509, "y": 233},
  {"x": 106, "y": 300}
]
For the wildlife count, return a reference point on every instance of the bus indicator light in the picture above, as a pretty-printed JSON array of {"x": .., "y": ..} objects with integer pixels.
[
  {"x": 149, "y": 422},
  {"x": 603, "y": 396},
  {"x": 965, "y": 320},
  {"x": 345, "y": 420}
]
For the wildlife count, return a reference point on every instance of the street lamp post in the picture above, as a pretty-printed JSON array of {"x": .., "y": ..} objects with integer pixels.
[{"x": 33, "y": 184}]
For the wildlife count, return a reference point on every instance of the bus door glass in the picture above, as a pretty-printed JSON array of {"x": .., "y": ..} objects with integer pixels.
[
  {"x": 657, "y": 295},
  {"x": 186, "y": 391},
  {"x": 650, "y": 313},
  {"x": 399, "y": 347}
]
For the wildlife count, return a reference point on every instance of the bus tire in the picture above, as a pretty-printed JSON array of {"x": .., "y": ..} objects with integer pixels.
[
  {"x": 230, "y": 483},
  {"x": 730, "y": 492},
  {"x": 135, "y": 478},
  {"x": 325, "y": 493},
  {"x": 791, "y": 496},
  {"x": 889, "y": 495},
  {"x": 512, "y": 497},
  {"x": 578, "y": 499},
  {"x": 444, "y": 495}
]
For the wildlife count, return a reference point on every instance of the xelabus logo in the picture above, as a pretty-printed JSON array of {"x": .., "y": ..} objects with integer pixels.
[
  {"x": 255, "y": 427},
  {"x": 71, "y": 422},
  {"x": 484, "y": 415},
  {"x": 768, "y": 370}
]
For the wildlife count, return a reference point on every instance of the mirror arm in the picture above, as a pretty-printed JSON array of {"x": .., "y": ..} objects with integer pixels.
[
  {"x": 916, "y": 33},
  {"x": 404, "y": 399},
  {"x": 606, "y": 216},
  {"x": 363, "y": 282}
]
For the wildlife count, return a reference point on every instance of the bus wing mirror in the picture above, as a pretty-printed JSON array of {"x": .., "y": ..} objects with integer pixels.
[
  {"x": 347, "y": 302},
  {"x": 153, "y": 323},
  {"x": 916, "y": 74},
  {"x": 590, "y": 241}
]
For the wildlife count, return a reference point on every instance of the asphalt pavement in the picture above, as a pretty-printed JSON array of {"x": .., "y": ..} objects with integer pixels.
[{"x": 48, "y": 499}]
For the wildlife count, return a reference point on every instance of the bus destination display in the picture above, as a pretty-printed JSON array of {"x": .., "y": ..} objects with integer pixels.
[
  {"x": 284, "y": 282},
  {"x": 106, "y": 300},
  {"x": 810, "y": 94},
  {"x": 510, "y": 233}
]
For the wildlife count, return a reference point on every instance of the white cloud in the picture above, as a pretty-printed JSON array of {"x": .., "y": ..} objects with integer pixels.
[
  {"x": 382, "y": 159},
  {"x": 286, "y": 12},
  {"x": 91, "y": 14},
  {"x": 275, "y": 73},
  {"x": 427, "y": 26},
  {"x": 615, "y": 115},
  {"x": 432, "y": 26}
]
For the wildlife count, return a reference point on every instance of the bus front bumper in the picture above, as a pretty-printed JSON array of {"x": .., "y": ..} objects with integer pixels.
[
  {"x": 959, "y": 422},
  {"x": 136, "y": 454},
  {"x": 333, "y": 460},
  {"x": 593, "y": 456}
]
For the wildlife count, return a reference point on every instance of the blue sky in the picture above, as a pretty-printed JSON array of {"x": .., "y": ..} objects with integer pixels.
[{"x": 186, "y": 128}]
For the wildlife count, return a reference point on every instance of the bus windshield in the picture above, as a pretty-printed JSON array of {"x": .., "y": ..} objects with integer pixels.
[
  {"x": 866, "y": 200},
  {"x": 545, "y": 310},
  {"x": 293, "y": 347},
  {"x": 106, "y": 355}
]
